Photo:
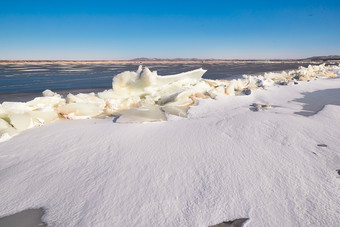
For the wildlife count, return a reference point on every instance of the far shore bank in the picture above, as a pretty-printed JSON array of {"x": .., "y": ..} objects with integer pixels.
[{"x": 149, "y": 61}]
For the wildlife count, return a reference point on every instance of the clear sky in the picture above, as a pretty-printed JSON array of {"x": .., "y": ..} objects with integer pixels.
[{"x": 168, "y": 29}]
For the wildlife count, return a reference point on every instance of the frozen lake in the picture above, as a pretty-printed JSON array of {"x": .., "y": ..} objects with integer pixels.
[{"x": 34, "y": 77}]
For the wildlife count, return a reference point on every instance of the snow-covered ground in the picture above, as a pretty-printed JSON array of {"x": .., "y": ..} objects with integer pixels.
[{"x": 223, "y": 162}]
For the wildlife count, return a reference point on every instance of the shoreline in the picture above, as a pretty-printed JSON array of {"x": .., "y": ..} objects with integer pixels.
[
  {"x": 29, "y": 95},
  {"x": 26, "y": 95}
]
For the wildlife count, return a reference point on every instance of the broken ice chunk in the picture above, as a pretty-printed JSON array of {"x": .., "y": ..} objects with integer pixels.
[
  {"x": 3, "y": 124},
  {"x": 43, "y": 117},
  {"x": 80, "y": 110},
  {"x": 15, "y": 107},
  {"x": 42, "y": 102},
  {"x": 49, "y": 93},
  {"x": 21, "y": 121},
  {"x": 86, "y": 98},
  {"x": 147, "y": 113},
  {"x": 181, "y": 111}
]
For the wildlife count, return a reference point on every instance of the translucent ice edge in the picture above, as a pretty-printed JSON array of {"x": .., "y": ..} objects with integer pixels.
[{"x": 143, "y": 96}]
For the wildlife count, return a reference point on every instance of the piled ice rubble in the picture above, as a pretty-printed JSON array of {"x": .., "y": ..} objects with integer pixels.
[{"x": 143, "y": 96}]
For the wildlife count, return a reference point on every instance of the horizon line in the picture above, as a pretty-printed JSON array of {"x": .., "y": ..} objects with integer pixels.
[{"x": 143, "y": 59}]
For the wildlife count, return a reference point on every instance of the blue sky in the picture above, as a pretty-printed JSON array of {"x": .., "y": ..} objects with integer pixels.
[{"x": 168, "y": 29}]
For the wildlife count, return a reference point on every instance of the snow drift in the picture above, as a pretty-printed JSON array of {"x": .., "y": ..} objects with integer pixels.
[{"x": 143, "y": 96}]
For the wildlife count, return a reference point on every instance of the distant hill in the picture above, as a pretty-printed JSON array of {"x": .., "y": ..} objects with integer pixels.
[
  {"x": 314, "y": 58},
  {"x": 173, "y": 59},
  {"x": 324, "y": 58},
  {"x": 170, "y": 60}
]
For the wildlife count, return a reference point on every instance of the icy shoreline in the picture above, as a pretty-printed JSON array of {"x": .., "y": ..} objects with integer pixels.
[{"x": 143, "y": 96}]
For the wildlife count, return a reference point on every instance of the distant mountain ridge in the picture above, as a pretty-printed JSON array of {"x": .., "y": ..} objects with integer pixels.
[
  {"x": 329, "y": 57},
  {"x": 170, "y": 60},
  {"x": 175, "y": 59}
]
